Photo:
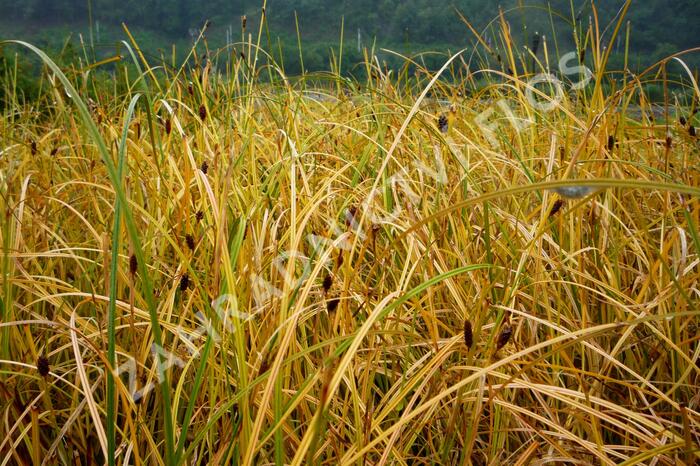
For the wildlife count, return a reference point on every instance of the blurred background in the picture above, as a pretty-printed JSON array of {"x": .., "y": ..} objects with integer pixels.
[
  {"x": 303, "y": 35},
  {"x": 658, "y": 27}
]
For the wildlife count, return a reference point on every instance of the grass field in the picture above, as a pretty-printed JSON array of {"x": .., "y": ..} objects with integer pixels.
[{"x": 412, "y": 269}]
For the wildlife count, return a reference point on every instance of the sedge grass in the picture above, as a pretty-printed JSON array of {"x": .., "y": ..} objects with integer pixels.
[{"x": 328, "y": 221}]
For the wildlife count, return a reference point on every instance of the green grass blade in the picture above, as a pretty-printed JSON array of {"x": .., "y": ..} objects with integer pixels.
[
  {"x": 131, "y": 227},
  {"x": 111, "y": 310}
]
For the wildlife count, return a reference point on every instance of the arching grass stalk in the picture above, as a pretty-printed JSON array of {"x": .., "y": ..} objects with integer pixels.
[
  {"x": 112, "y": 307},
  {"x": 133, "y": 235},
  {"x": 349, "y": 347}
]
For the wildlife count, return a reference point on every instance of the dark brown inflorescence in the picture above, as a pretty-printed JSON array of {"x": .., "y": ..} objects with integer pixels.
[
  {"x": 327, "y": 283},
  {"x": 42, "y": 365},
  {"x": 504, "y": 336},
  {"x": 189, "y": 239},
  {"x": 133, "y": 264},
  {"x": 332, "y": 304},
  {"x": 184, "y": 282},
  {"x": 468, "y": 336},
  {"x": 556, "y": 207},
  {"x": 611, "y": 142}
]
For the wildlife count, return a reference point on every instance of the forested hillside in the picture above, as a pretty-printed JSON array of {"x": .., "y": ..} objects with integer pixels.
[{"x": 657, "y": 28}]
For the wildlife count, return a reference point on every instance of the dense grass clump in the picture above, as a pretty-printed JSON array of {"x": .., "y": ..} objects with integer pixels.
[{"x": 231, "y": 266}]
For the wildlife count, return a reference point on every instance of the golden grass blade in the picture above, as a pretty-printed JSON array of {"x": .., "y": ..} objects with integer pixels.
[{"x": 87, "y": 389}]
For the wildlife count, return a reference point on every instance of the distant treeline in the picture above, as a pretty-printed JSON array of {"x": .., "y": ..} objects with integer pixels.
[
  {"x": 169, "y": 18},
  {"x": 658, "y": 28}
]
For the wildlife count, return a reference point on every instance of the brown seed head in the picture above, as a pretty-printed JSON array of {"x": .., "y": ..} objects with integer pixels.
[
  {"x": 184, "y": 282},
  {"x": 332, "y": 304},
  {"x": 611, "y": 142},
  {"x": 556, "y": 207},
  {"x": 202, "y": 112},
  {"x": 504, "y": 336},
  {"x": 204, "y": 167},
  {"x": 340, "y": 259},
  {"x": 327, "y": 283},
  {"x": 133, "y": 264},
  {"x": 468, "y": 336},
  {"x": 190, "y": 242},
  {"x": 42, "y": 365}
]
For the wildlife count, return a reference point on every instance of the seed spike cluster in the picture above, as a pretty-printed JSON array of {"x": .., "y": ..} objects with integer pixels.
[
  {"x": 611, "y": 142},
  {"x": 133, "y": 264},
  {"x": 332, "y": 304},
  {"x": 327, "y": 283},
  {"x": 558, "y": 204},
  {"x": 468, "y": 336},
  {"x": 184, "y": 282},
  {"x": 189, "y": 240},
  {"x": 42, "y": 365},
  {"x": 504, "y": 335}
]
